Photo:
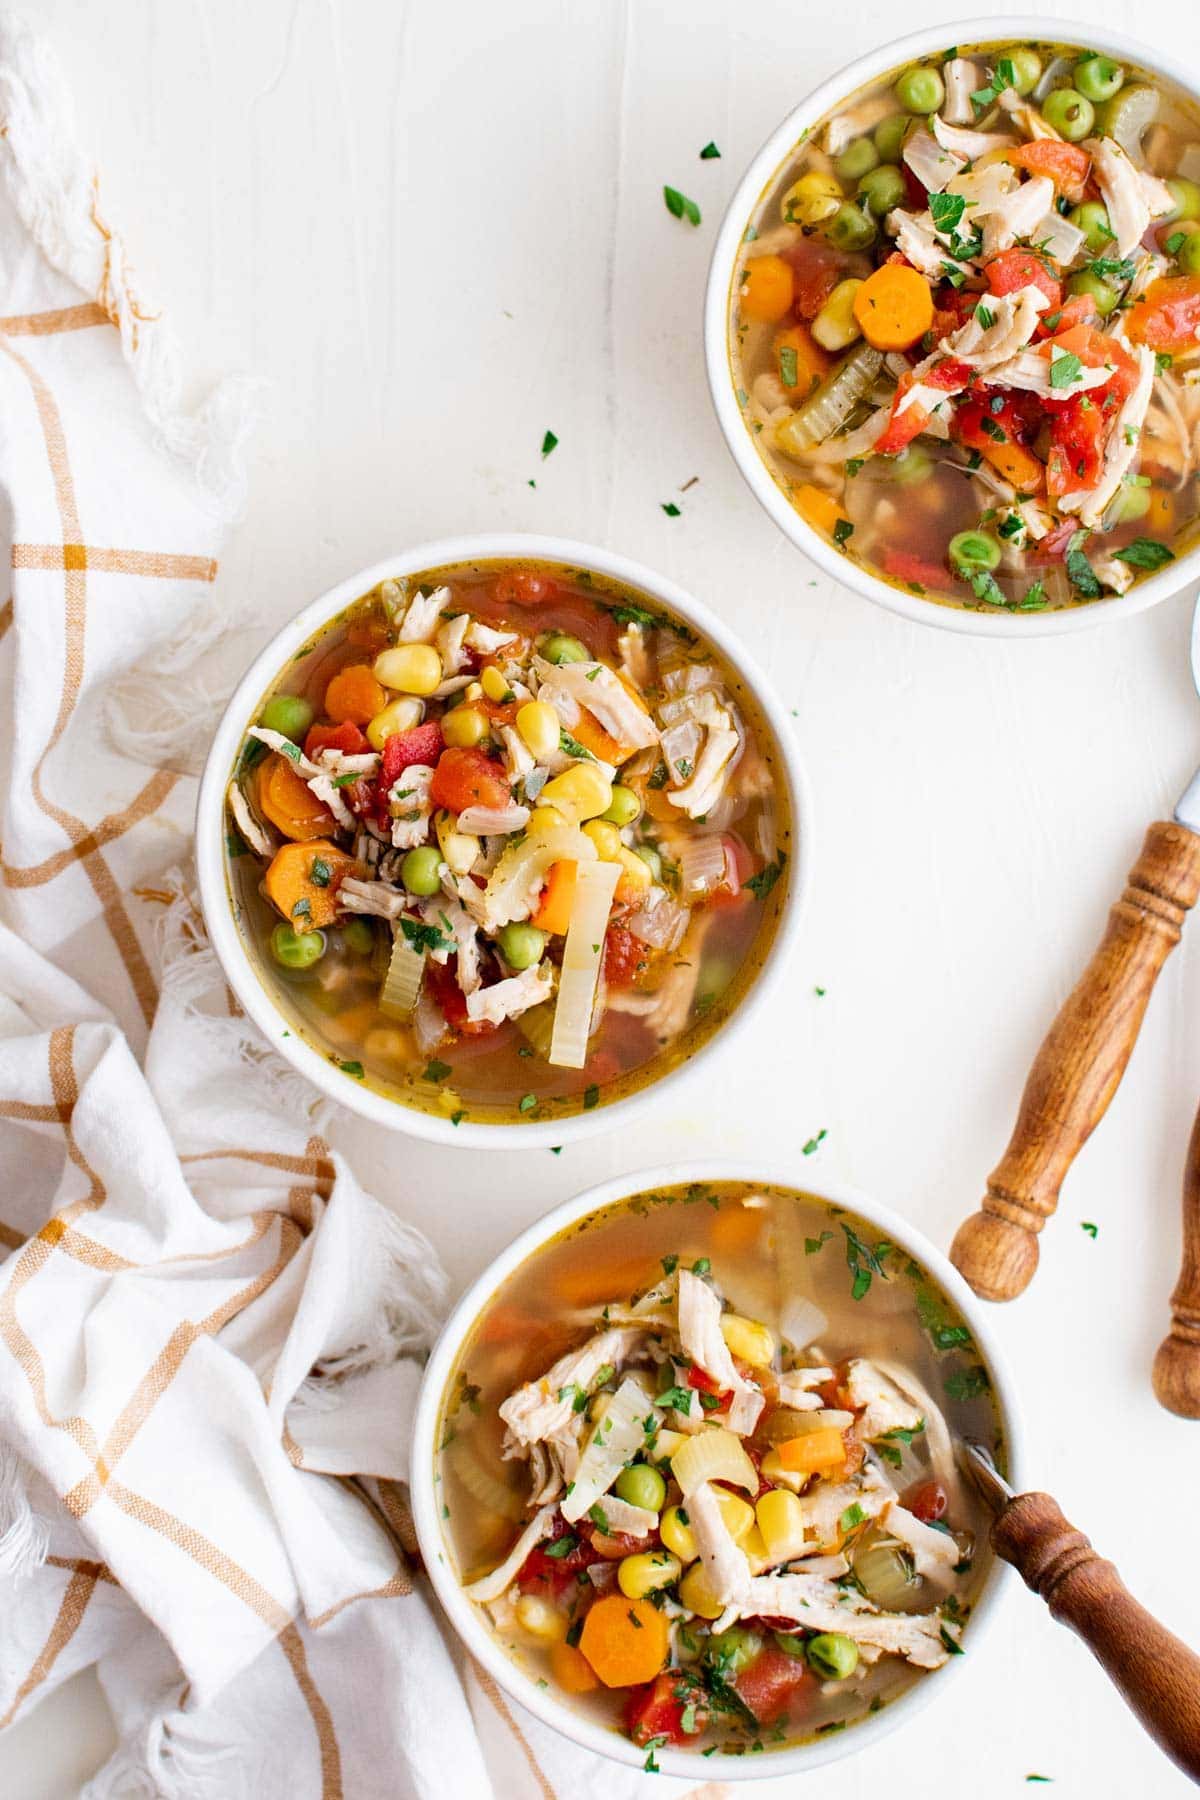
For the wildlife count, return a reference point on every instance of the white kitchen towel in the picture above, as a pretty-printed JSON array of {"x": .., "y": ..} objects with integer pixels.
[{"x": 209, "y": 1334}]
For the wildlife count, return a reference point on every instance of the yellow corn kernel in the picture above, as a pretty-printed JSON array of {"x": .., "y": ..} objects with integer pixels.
[
  {"x": 464, "y": 727},
  {"x": 748, "y": 1339},
  {"x": 811, "y": 199},
  {"x": 539, "y": 728},
  {"x": 636, "y": 876},
  {"x": 399, "y": 715},
  {"x": 695, "y": 1591},
  {"x": 607, "y": 840},
  {"x": 493, "y": 684},
  {"x": 642, "y": 1574},
  {"x": 457, "y": 847},
  {"x": 579, "y": 793},
  {"x": 676, "y": 1535},
  {"x": 781, "y": 1520},
  {"x": 754, "y": 1549},
  {"x": 473, "y": 691},
  {"x": 540, "y": 1619},
  {"x": 738, "y": 1514},
  {"x": 409, "y": 668},
  {"x": 545, "y": 818},
  {"x": 599, "y": 1407}
]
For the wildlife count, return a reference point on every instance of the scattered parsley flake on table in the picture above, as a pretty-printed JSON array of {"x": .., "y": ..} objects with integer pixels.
[
  {"x": 709, "y": 152},
  {"x": 672, "y": 511},
  {"x": 549, "y": 442},
  {"x": 814, "y": 1142},
  {"x": 679, "y": 206},
  {"x": 1092, "y": 1230}
]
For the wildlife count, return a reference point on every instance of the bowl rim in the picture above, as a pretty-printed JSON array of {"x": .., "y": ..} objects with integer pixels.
[
  {"x": 765, "y": 163},
  {"x": 227, "y": 940},
  {"x": 462, "y": 1614}
]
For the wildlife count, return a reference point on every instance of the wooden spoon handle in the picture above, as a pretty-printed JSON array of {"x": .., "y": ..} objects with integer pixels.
[
  {"x": 1177, "y": 1365},
  {"x": 1155, "y": 1673},
  {"x": 1080, "y": 1065}
]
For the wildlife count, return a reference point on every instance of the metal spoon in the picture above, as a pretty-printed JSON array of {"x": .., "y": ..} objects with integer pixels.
[{"x": 1153, "y": 1671}]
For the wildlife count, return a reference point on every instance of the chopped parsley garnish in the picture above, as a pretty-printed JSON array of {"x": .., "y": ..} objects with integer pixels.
[
  {"x": 1065, "y": 369},
  {"x": 352, "y": 1068},
  {"x": 1035, "y": 598},
  {"x": 946, "y": 210},
  {"x": 683, "y": 767},
  {"x": 788, "y": 370},
  {"x": 591, "y": 1097},
  {"x": 572, "y": 747},
  {"x": 985, "y": 318},
  {"x": 302, "y": 909},
  {"x": 456, "y": 1118},
  {"x": 654, "y": 1743},
  {"x": 672, "y": 511},
  {"x": 842, "y": 529},
  {"x": 436, "y": 1071},
  {"x": 854, "y": 464},
  {"x": 863, "y": 1262},
  {"x": 1092, "y": 1230},
  {"x": 291, "y": 751},
  {"x": 561, "y": 1547},
  {"x": 853, "y": 1515},
  {"x": 425, "y": 937},
  {"x": 669, "y": 1264},
  {"x": 1109, "y": 268},
  {"x": 814, "y": 1142},
  {"x": 680, "y": 207},
  {"x": 994, "y": 431},
  {"x": 985, "y": 587},
  {"x": 676, "y": 1399},
  {"x": 702, "y": 1266},
  {"x": 1011, "y": 525},
  {"x": 975, "y": 460},
  {"x": 760, "y": 885},
  {"x": 812, "y": 1245},
  {"x": 969, "y": 1383},
  {"x": 1175, "y": 243},
  {"x": 709, "y": 152},
  {"x": 660, "y": 776},
  {"x": 1005, "y": 76},
  {"x": 1082, "y": 575},
  {"x": 1162, "y": 362},
  {"x": 952, "y": 1644},
  {"x": 319, "y": 872},
  {"x": 1145, "y": 553},
  {"x": 527, "y": 1103},
  {"x": 548, "y": 443}
]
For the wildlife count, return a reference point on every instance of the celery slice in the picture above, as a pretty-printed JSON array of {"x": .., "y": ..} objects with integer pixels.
[
  {"x": 402, "y": 984},
  {"x": 583, "y": 955},
  {"x": 834, "y": 401}
]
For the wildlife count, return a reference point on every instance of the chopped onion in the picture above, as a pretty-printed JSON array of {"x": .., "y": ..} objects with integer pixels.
[
  {"x": 802, "y": 1321},
  {"x": 488, "y": 821},
  {"x": 583, "y": 953},
  {"x": 713, "y": 1456},
  {"x": 701, "y": 864},
  {"x": 662, "y": 926},
  {"x": 402, "y": 983}
]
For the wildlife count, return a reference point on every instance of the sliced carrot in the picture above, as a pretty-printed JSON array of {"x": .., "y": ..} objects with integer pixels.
[
  {"x": 1018, "y": 465},
  {"x": 766, "y": 289},
  {"x": 894, "y": 307},
  {"x": 558, "y": 897},
  {"x": 1160, "y": 515},
  {"x": 286, "y": 799},
  {"x": 571, "y": 1669},
  {"x": 1067, "y": 165},
  {"x": 800, "y": 360},
  {"x": 819, "y": 1449},
  {"x": 818, "y": 507},
  {"x": 589, "y": 732},
  {"x": 625, "y": 1641},
  {"x": 354, "y": 694},
  {"x": 302, "y": 883}
]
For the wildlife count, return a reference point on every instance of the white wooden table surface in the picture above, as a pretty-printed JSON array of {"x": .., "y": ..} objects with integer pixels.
[{"x": 437, "y": 230}]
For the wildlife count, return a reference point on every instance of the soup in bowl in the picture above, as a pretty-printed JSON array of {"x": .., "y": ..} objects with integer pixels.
[
  {"x": 507, "y": 838},
  {"x": 959, "y": 310},
  {"x": 684, "y": 1471}
]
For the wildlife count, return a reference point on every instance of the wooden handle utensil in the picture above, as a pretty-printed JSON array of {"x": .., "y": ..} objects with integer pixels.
[
  {"x": 1177, "y": 1365},
  {"x": 1079, "y": 1066},
  {"x": 1154, "y": 1671}
]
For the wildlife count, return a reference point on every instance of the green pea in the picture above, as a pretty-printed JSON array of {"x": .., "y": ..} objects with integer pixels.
[
  {"x": 1099, "y": 77},
  {"x": 883, "y": 189},
  {"x": 851, "y": 227},
  {"x": 651, "y": 858},
  {"x": 296, "y": 949},
  {"x": 1098, "y": 291},
  {"x": 971, "y": 551},
  {"x": 856, "y": 159},
  {"x": 559, "y": 647},
  {"x": 913, "y": 464},
  {"x": 420, "y": 870},
  {"x": 1186, "y": 196},
  {"x": 920, "y": 90},
  {"x": 1092, "y": 220},
  {"x": 641, "y": 1486},
  {"x": 1027, "y": 70},
  {"x": 832, "y": 1656},
  {"x": 521, "y": 946},
  {"x": 359, "y": 935},
  {"x": 732, "y": 1651},
  {"x": 290, "y": 714},
  {"x": 1188, "y": 256},
  {"x": 1070, "y": 112},
  {"x": 889, "y": 135},
  {"x": 624, "y": 808},
  {"x": 1132, "y": 502},
  {"x": 789, "y": 1643}
]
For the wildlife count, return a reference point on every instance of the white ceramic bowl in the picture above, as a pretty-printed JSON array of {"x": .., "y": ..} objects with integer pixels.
[
  {"x": 762, "y": 173},
  {"x": 465, "y": 1617},
  {"x": 228, "y": 940}
]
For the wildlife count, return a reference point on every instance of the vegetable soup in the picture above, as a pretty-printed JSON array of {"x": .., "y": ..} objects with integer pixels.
[
  {"x": 965, "y": 326},
  {"x": 508, "y": 841},
  {"x": 695, "y": 1467}
]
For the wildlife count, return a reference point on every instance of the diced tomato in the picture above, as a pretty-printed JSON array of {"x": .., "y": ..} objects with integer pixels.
[
  {"x": 704, "y": 1383},
  {"x": 625, "y": 957},
  {"x": 739, "y": 866},
  {"x": 906, "y": 566},
  {"x": 441, "y": 981},
  {"x": 1080, "y": 309},
  {"x": 1011, "y": 270},
  {"x": 1097, "y": 351},
  {"x": 468, "y": 778},
  {"x": 524, "y": 587},
  {"x": 949, "y": 375},
  {"x": 995, "y": 418},
  {"x": 926, "y": 1500},
  {"x": 554, "y": 1574},
  {"x": 422, "y": 744},
  {"x": 918, "y": 194},
  {"x": 776, "y": 1684},
  {"x": 817, "y": 268},
  {"x": 1167, "y": 317},
  {"x": 1076, "y": 446},
  {"x": 345, "y": 737},
  {"x": 952, "y": 307},
  {"x": 1067, "y": 165},
  {"x": 657, "y": 1710}
]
